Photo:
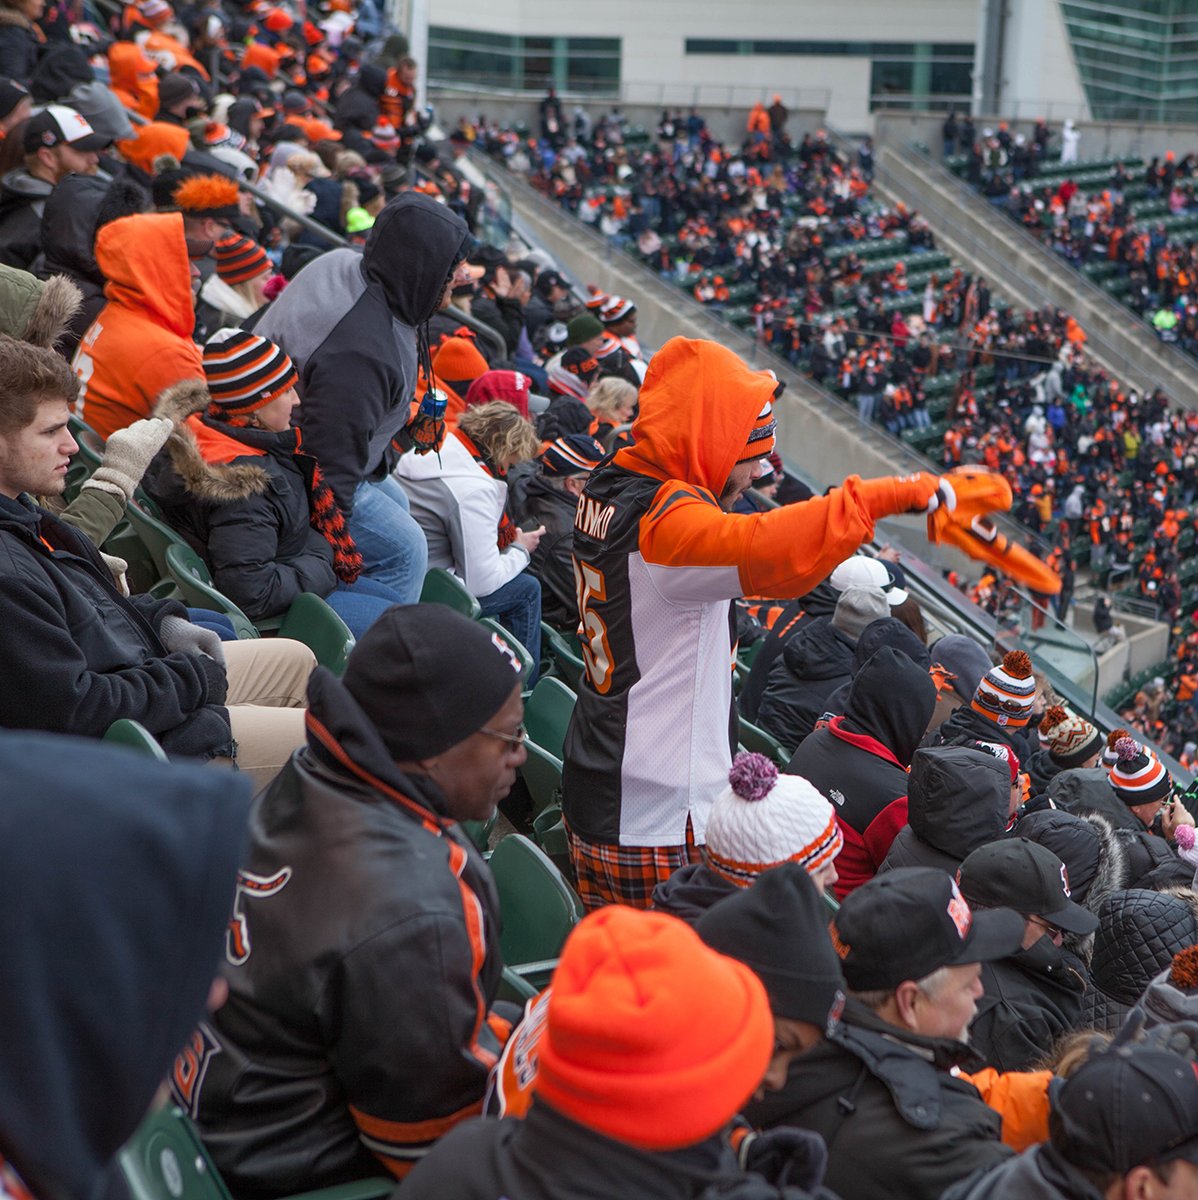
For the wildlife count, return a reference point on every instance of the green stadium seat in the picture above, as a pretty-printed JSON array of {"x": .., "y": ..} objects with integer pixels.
[
  {"x": 443, "y": 587},
  {"x": 310, "y": 620},
  {"x": 133, "y": 735},
  {"x": 542, "y": 775},
  {"x": 565, "y": 655},
  {"x": 547, "y": 713},
  {"x": 193, "y": 580},
  {"x": 517, "y": 648},
  {"x": 760, "y": 742}
]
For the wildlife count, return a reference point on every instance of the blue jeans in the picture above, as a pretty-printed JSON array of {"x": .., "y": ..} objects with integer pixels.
[
  {"x": 392, "y": 544},
  {"x": 218, "y": 623},
  {"x": 358, "y": 604},
  {"x": 517, "y": 606}
]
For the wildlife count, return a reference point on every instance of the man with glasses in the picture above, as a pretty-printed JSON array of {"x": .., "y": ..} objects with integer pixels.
[
  {"x": 363, "y": 953},
  {"x": 1033, "y": 996}
]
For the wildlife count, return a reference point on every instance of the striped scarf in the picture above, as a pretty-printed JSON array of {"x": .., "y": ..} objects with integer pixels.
[{"x": 508, "y": 528}]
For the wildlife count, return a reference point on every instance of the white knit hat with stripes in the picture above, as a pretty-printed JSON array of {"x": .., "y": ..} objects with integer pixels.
[
  {"x": 763, "y": 819},
  {"x": 1138, "y": 776},
  {"x": 1006, "y": 693}
]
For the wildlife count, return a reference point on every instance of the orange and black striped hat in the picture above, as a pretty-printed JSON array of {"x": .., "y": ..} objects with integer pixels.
[
  {"x": 245, "y": 371},
  {"x": 1006, "y": 693},
  {"x": 239, "y": 258}
]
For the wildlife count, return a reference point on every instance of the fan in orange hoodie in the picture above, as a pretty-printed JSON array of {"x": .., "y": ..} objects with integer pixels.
[
  {"x": 141, "y": 341},
  {"x": 134, "y": 78}
]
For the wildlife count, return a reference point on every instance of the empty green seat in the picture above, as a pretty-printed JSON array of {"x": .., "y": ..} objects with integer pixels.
[
  {"x": 547, "y": 714},
  {"x": 563, "y": 650},
  {"x": 753, "y": 738},
  {"x": 194, "y": 581},
  {"x": 443, "y": 587},
  {"x": 310, "y": 620}
]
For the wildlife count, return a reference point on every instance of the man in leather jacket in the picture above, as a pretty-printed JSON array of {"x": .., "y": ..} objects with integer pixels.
[{"x": 363, "y": 955}]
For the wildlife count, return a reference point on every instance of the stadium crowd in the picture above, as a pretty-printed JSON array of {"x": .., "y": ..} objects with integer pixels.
[{"x": 885, "y": 959}]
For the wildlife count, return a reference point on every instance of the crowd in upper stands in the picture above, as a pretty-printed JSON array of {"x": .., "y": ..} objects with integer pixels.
[{"x": 206, "y": 396}]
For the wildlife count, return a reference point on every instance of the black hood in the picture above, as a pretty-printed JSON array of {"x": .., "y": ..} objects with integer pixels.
[
  {"x": 819, "y": 651},
  {"x": 820, "y": 601},
  {"x": 69, "y": 226},
  {"x": 957, "y": 799},
  {"x": 240, "y": 113},
  {"x": 1077, "y": 842},
  {"x": 117, "y": 880},
  {"x": 412, "y": 248},
  {"x": 889, "y": 631},
  {"x": 891, "y": 700},
  {"x": 372, "y": 80},
  {"x": 690, "y": 891}
]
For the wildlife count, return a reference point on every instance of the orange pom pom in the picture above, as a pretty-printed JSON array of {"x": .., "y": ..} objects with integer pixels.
[
  {"x": 1053, "y": 716},
  {"x": 206, "y": 193},
  {"x": 1184, "y": 972},
  {"x": 1114, "y": 736},
  {"x": 1017, "y": 664}
]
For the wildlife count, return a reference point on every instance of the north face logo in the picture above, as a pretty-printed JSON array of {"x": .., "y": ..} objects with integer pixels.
[{"x": 836, "y": 796}]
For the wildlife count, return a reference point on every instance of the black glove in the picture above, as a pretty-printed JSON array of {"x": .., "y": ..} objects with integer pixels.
[
  {"x": 785, "y": 1155},
  {"x": 214, "y": 673}
]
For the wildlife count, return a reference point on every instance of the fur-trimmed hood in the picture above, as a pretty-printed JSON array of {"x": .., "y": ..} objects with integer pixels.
[
  {"x": 10, "y": 16},
  {"x": 34, "y": 310},
  {"x": 212, "y": 482}
]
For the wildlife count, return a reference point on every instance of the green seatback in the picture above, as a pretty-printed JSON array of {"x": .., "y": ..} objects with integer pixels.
[
  {"x": 193, "y": 580},
  {"x": 165, "y": 1160},
  {"x": 135, "y": 736},
  {"x": 311, "y": 621},
  {"x": 443, "y": 587},
  {"x": 758, "y": 740},
  {"x": 480, "y": 831},
  {"x": 91, "y": 444},
  {"x": 563, "y": 649},
  {"x": 547, "y": 714},
  {"x": 155, "y": 534},
  {"x": 539, "y": 907},
  {"x": 517, "y": 647},
  {"x": 542, "y": 775}
]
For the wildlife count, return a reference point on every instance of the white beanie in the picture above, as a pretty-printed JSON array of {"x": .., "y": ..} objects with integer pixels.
[{"x": 763, "y": 819}]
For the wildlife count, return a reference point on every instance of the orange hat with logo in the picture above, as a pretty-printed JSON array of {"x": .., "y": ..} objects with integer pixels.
[
  {"x": 459, "y": 360},
  {"x": 651, "y": 1038}
]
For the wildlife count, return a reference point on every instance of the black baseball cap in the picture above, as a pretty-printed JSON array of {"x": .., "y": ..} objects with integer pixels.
[
  {"x": 58, "y": 125},
  {"x": 1021, "y": 874},
  {"x": 912, "y": 921},
  {"x": 548, "y": 280},
  {"x": 1124, "y": 1107}
]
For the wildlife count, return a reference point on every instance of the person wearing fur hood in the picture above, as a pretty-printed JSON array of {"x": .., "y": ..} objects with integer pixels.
[{"x": 235, "y": 481}]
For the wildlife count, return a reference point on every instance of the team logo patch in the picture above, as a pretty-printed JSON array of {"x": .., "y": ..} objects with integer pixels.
[
  {"x": 1065, "y": 879},
  {"x": 191, "y": 1065},
  {"x": 237, "y": 940},
  {"x": 959, "y": 911}
]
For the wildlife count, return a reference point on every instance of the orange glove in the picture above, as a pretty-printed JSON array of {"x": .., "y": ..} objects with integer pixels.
[{"x": 894, "y": 494}]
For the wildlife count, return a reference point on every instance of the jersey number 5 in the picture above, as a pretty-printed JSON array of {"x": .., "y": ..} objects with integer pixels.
[{"x": 590, "y": 586}]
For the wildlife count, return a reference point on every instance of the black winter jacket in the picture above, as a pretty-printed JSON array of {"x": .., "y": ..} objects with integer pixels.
[
  {"x": 690, "y": 891},
  {"x": 1030, "y": 1000},
  {"x": 351, "y": 324},
  {"x": 22, "y": 200},
  {"x": 859, "y": 760},
  {"x": 1038, "y": 1174},
  {"x": 957, "y": 800},
  {"x": 538, "y": 502},
  {"x": 358, "y": 108},
  {"x": 362, "y": 965},
  {"x": 1042, "y": 769},
  {"x": 816, "y": 661},
  {"x": 897, "y": 1124},
  {"x": 248, "y": 516},
  {"x": 819, "y": 602},
  {"x": 968, "y": 725},
  {"x": 546, "y": 1156},
  {"x": 76, "y": 655},
  {"x": 20, "y": 47},
  {"x": 1139, "y": 933}
]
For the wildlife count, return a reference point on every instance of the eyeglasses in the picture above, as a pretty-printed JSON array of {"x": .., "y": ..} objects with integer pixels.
[{"x": 513, "y": 739}]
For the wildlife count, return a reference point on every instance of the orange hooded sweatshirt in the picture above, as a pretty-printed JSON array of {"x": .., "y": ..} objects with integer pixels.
[
  {"x": 158, "y": 137},
  {"x": 134, "y": 78},
  {"x": 141, "y": 341},
  {"x": 657, "y": 562}
]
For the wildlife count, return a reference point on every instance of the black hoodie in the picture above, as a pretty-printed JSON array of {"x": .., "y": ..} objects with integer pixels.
[
  {"x": 958, "y": 800},
  {"x": 358, "y": 109},
  {"x": 859, "y": 761},
  {"x": 117, "y": 877},
  {"x": 354, "y": 324},
  {"x": 815, "y": 662},
  {"x": 819, "y": 602},
  {"x": 885, "y": 631}
]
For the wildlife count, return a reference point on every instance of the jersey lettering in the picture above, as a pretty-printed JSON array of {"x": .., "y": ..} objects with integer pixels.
[
  {"x": 237, "y": 942},
  {"x": 593, "y": 518},
  {"x": 590, "y": 586}
]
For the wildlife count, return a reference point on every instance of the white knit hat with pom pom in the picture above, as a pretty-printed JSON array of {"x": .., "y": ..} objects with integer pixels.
[{"x": 763, "y": 819}]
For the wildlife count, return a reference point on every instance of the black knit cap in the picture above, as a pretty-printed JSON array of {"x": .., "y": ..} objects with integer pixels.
[
  {"x": 428, "y": 678},
  {"x": 779, "y": 928}
]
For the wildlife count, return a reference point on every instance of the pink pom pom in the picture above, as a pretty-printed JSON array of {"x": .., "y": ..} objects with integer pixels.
[
  {"x": 1184, "y": 837},
  {"x": 1126, "y": 749},
  {"x": 274, "y": 287},
  {"x": 752, "y": 776}
]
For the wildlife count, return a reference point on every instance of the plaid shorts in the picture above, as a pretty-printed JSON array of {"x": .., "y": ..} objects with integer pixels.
[{"x": 625, "y": 874}]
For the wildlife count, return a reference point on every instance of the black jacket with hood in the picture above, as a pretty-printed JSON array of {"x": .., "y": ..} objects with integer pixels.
[
  {"x": 859, "y": 761},
  {"x": 354, "y": 324},
  {"x": 358, "y": 108},
  {"x": 898, "y": 1125},
  {"x": 1139, "y": 933},
  {"x": 885, "y": 631},
  {"x": 957, "y": 800},
  {"x": 546, "y": 1156},
  {"x": 814, "y": 663},
  {"x": 362, "y": 971},
  {"x": 20, "y": 47},
  {"x": 22, "y": 200},
  {"x": 968, "y": 725},
  {"x": 690, "y": 891},
  {"x": 1038, "y": 1174},
  {"x": 76, "y": 655},
  {"x": 117, "y": 876},
  {"x": 248, "y": 517},
  {"x": 819, "y": 602},
  {"x": 539, "y": 502}
]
